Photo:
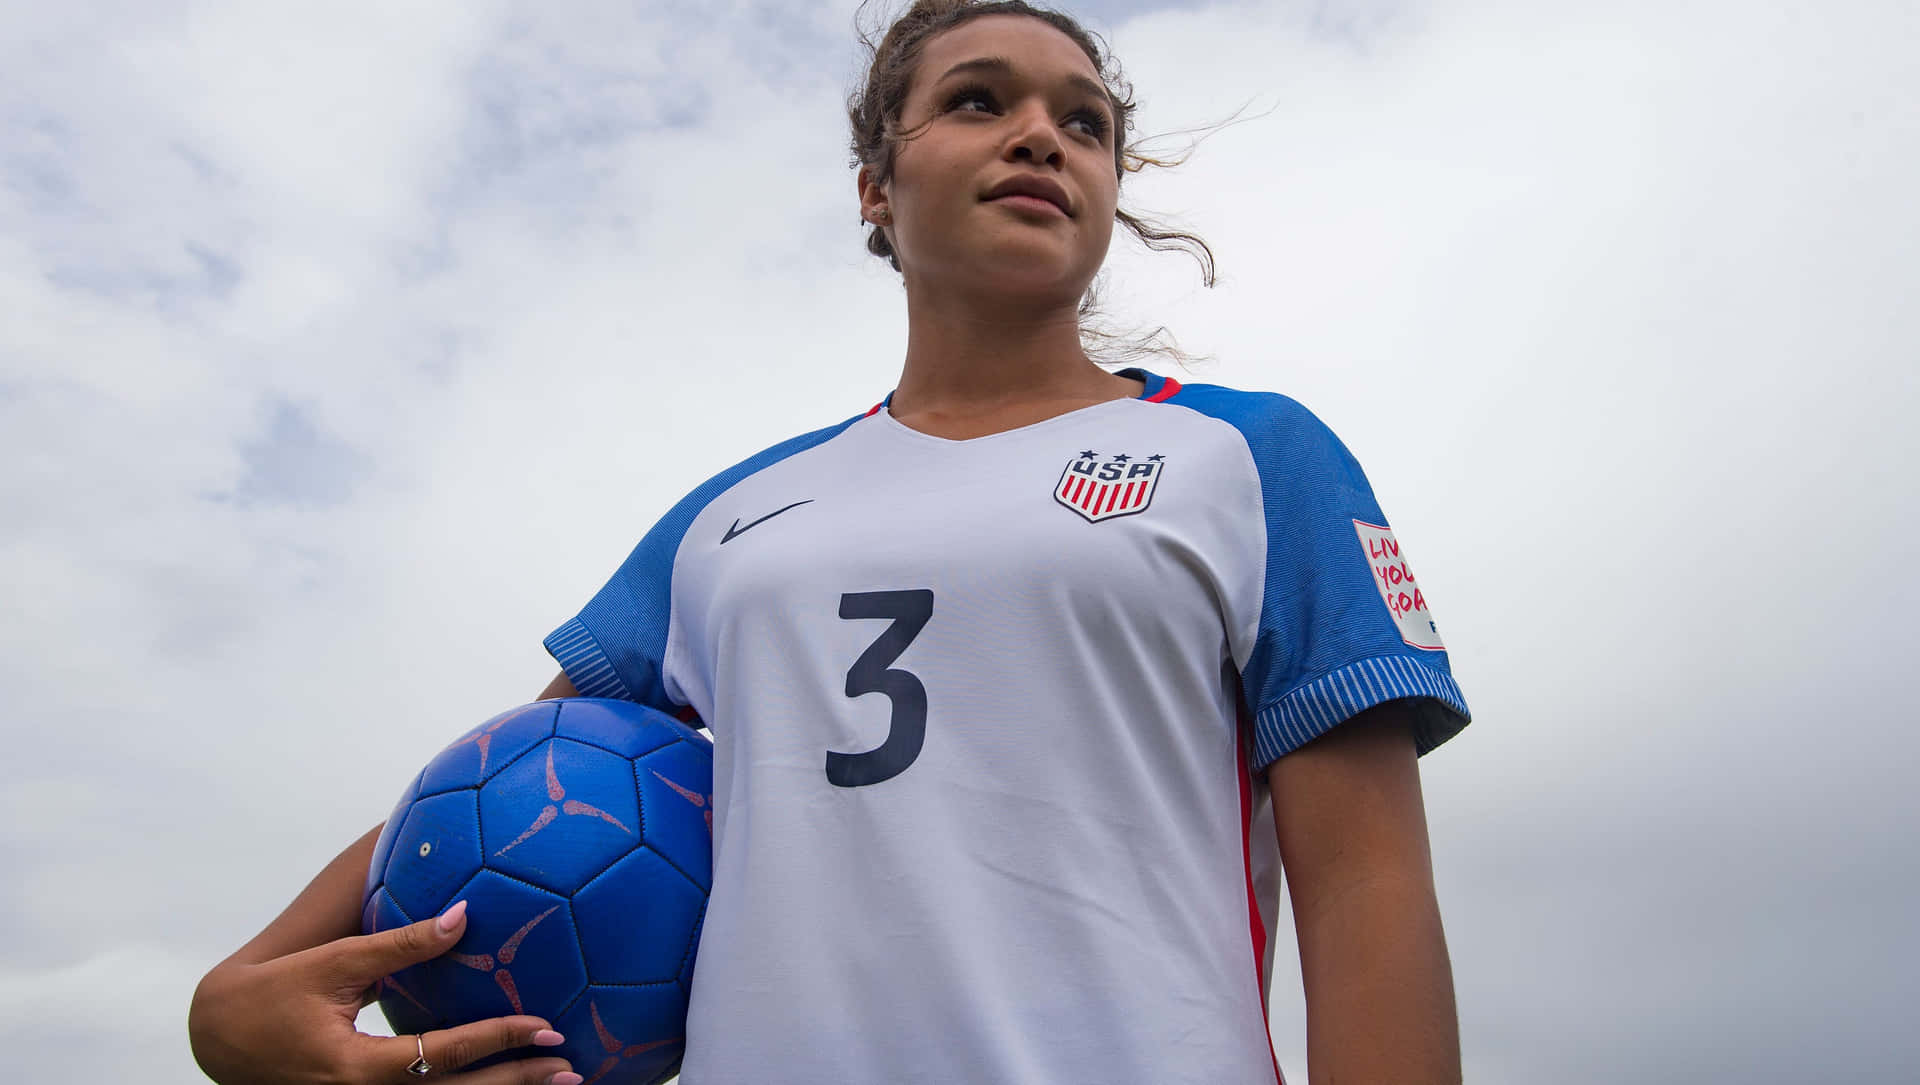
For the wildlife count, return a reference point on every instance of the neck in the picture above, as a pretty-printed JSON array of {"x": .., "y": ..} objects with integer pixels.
[{"x": 965, "y": 358}]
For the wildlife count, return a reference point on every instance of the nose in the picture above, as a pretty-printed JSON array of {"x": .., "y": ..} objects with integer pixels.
[{"x": 1034, "y": 138}]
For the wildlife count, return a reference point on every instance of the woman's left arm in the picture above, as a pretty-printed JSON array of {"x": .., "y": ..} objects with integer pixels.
[{"x": 1373, "y": 957}]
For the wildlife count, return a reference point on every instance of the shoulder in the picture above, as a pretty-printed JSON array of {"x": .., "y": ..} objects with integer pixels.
[
  {"x": 663, "y": 539},
  {"x": 1281, "y": 434},
  {"x": 762, "y": 460},
  {"x": 1266, "y": 412}
]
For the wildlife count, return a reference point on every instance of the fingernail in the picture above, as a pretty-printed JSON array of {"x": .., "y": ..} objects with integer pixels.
[
  {"x": 450, "y": 918},
  {"x": 546, "y": 1037},
  {"x": 565, "y": 1077}
]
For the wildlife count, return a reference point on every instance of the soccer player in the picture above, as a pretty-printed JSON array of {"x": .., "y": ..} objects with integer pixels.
[{"x": 1022, "y": 684}]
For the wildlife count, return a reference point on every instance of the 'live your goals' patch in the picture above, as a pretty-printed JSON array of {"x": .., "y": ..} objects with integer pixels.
[{"x": 1397, "y": 587}]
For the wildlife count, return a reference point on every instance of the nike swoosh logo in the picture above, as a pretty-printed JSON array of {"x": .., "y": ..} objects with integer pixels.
[{"x": 736, "y": 530}]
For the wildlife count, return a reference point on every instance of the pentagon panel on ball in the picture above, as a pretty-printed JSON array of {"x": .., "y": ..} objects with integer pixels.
[{"x": 580, "y": 834}]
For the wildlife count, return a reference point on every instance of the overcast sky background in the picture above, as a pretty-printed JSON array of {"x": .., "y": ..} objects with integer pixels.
[{"x": 345, "y": 349}]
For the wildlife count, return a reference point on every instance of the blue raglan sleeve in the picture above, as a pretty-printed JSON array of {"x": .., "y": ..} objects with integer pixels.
[
  {"x": 1343, "y": 624},
  {"x": 616, "y": 646}
]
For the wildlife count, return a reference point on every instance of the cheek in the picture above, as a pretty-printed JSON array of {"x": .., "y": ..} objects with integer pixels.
[
  {"x": 917, "y": 173},
  {"x": 1100, "y": 185},
  {"x": 1100, "y": 236},
  {"x": 1108, "y": 201}
]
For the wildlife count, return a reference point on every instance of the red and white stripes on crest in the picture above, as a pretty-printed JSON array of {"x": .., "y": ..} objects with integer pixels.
[
  {"x": 1103, "y": 497},
  {"x": 1096, "y": 498}
]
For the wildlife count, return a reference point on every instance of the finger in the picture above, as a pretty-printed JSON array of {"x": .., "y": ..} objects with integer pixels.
[
  {"x": 364, "y": 959},
  {"x": 449, "y": 1050},
  {"x": 524, "y": 1072}
]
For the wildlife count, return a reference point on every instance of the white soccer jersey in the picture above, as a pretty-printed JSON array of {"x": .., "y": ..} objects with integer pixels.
[{"x": 985, "y": 718}]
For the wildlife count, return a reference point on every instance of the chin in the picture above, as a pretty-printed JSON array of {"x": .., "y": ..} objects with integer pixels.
[
  {"x": 1034, "y": 273},
  {"x": 1023, "y": 272}
]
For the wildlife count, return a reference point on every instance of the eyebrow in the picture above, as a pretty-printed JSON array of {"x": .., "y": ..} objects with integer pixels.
[{"x": 1003, "y": 66}]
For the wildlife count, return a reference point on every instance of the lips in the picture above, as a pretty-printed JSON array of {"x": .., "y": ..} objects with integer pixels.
[{"x": 1035, "y": 186}]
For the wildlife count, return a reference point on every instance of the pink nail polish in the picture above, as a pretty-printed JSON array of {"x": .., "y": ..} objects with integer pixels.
[
  {"x": 450, "y": 918},
  {"x": 546, "y": 1037},
  {"x": 565, "y": 1077}
]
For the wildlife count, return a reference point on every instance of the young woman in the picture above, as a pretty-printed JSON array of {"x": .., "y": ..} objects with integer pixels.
[{"x": 1015, "y": 681}]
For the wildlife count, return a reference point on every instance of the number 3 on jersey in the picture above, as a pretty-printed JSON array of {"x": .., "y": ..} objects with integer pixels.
[{"x": 872, "y": 673}]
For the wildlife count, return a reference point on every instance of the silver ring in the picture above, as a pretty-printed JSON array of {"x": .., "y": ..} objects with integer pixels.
[{"x": 420, "y": 1067}]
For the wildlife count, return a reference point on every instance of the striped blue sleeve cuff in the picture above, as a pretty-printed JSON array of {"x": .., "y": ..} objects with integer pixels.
[
  {"x": 587, "y": 667},
  {"x": 1318, "y": 706}
]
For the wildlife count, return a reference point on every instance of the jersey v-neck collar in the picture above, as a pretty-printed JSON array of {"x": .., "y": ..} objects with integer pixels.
[{"x": 1156, "y": 389}]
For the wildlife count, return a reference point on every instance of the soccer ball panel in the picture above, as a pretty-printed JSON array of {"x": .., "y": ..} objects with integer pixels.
[
  {"x": 560, "y": 815},
  {"x": 610, "y": 726},
  {"x": 383, "y": 847},
  {"x": 435, "y": 852},
  {"x": 674, "y": 784},
  {"x": 616, "y": 1052},
  {"x": 404, "y": 1009},
  {"x": 519, "y": 950},
  {"x": 686, "y": 969},
  {"x": 637, "y": 921},
  {"x": 484, "y": 751}
]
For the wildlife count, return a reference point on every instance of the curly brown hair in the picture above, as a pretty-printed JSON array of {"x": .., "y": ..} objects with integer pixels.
[{"x": 875, "y": 108}]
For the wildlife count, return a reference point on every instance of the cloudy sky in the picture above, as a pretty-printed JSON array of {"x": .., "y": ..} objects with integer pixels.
[{"x": 346, "y": 348}]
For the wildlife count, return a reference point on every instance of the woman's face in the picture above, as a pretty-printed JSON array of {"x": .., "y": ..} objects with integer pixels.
[{"x": 1010, "y": 187}]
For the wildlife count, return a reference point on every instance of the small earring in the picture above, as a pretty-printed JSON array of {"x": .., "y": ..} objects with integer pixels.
[{"x": 881, "y": 214}]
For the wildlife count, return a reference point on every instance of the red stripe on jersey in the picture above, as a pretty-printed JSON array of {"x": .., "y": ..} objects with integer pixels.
[
  {"x": 1126, "y": 499},
  {"x": 875, "y": 410},
  {"x": 1167, "y": 391},
  {"x": 1115, "y": 490},
  {"x": 1257, "y": 927},
  {"x": 1078, "y": 485}
]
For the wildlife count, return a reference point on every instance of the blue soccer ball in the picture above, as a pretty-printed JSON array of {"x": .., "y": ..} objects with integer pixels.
[{"x": 580, "y": 834}]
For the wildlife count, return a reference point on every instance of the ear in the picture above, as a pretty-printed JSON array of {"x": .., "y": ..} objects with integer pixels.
[{"x": 873, "y": 198}]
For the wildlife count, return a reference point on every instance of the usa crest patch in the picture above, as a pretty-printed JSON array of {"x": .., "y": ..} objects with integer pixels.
[{"x": 1102, "y": 487}]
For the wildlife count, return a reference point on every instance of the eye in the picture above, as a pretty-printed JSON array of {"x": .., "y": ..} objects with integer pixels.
[
  {"x": 972, "y": 99},
  {"x": 1092, "y": 123}
]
